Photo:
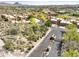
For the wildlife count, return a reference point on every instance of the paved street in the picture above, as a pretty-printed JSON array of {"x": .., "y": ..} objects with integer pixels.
[
  {"x": 38, "y": 50},
  {"x": 55, "y": 46},
  {"x": 54, "y": 51}
]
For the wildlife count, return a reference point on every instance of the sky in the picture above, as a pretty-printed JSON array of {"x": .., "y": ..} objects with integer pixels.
[{"x": 43, "y": 2}]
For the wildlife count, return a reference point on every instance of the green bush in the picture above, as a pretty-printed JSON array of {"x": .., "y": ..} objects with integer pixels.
[
  {"x": 33, "y": 33},
  {"x": 75, "y": 14},
  {"x": 12, "y": 31},
  {"x": 48, "y": 23},
  {"x": 63, "y": 16},
  {"x": 42, "y": 16},
  {"x": 71, "y": 53},
  {"x": 72, "y": 34},
  {"x": 9, "y": 45},
  {"x": 71, "y": 27},
  {"x": 30, "y": 16},
  {"x": 34, "y": 23}
]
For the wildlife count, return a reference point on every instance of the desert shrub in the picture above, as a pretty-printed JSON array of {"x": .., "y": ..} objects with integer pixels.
[
  {"x": 18, "y": 18},
  {"x": 63, "y": 16},
  {"x": 33, "y": 37},
  {"x": 72, "y": 34},
  {"x": 4, "y": 18},
  {"x": 12, "y": 31},
  {"x": 33, "y": 33},
  {"x": 71, "y": 53},
  {"x": 42, "y": 16},
  {"x": 9, "y": 45},
  {"x": 21, "y": 47},
  {"x": 34, "y": 23},
  {"x": 48, "y": 23},
  {"x": 75, "y": 14},
  {"x": 71, "y": 27},
  {"x": 30, "y": 35},
  {"x": 30, "y": 16},
  {"x": 71, "y": 40}
]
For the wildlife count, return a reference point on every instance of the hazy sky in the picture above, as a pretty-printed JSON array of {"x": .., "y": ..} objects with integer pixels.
[
  {"x": 43, "y": 2},
  {"x": 40, "y": 0}
]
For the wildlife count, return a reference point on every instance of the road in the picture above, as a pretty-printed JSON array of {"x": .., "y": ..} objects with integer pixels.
[
  {"x": 38, "y": 50},
  {"x": 55, "y": 47},
  {"x": 54, "y": 51}
]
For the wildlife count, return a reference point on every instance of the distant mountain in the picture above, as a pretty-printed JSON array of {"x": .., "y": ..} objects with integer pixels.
[
  {"x": 17, "y": 3},
  {"x": 3, "y": 3},
  {"x": 10, "y": 4},
  {"x": 36, "y": 6}
]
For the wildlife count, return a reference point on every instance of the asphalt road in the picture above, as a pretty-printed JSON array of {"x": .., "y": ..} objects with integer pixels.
[
  {"x": 38, "y": 50},
  {"x": 54, "y": 50},
  {"x": 55, "y": 47}
]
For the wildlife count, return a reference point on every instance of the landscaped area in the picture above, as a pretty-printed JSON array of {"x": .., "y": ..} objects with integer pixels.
[{"x": 22, "y": 27}]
